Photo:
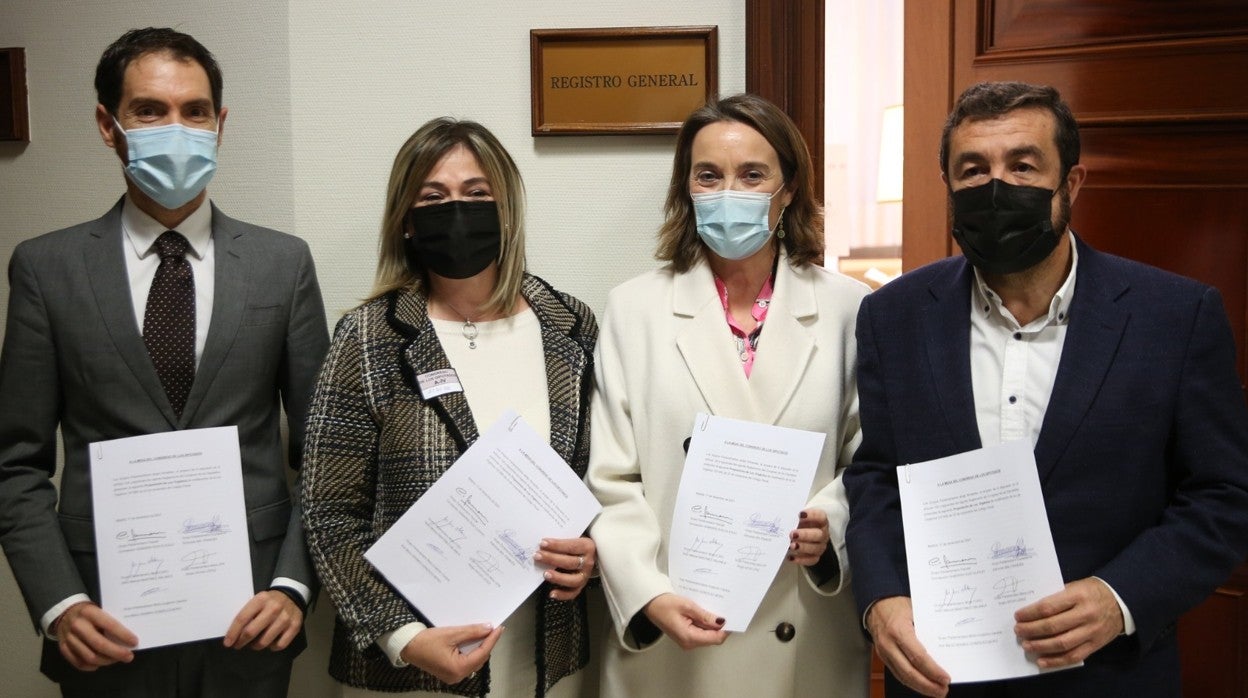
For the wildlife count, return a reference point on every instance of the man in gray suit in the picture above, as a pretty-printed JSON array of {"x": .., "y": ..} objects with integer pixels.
[{"x": 164, "y": 314}]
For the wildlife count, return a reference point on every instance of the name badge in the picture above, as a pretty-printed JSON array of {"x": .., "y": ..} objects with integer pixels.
[{"x": 439, "y": 382}]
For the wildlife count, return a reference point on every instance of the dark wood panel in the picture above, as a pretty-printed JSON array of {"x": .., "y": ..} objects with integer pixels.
[
  {"x": 1200, "y": 233},
  {"x": 1213, "y": 643},
  {"x": 781, "y": 37},
  {"x": 1047, "y": 24}
]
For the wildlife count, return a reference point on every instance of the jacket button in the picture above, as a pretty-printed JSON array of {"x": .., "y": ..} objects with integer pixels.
[{"x": 785, "y": 632}]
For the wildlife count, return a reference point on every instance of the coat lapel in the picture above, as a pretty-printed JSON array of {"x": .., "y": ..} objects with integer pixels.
[
  {"x": 1092, "y": 340},
  {"x": 947, "y": 336},
  {"x": 231, "y": 276},
  {"x": 706, "y": 345},
  {"x": 408, "y": 313},
  {"x": 566, "y": 366},
  {"x": 106, "y": 270},
  {"x": 778, "y": 371}
]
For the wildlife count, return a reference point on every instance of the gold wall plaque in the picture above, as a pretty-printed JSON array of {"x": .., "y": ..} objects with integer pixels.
[{"x": 620, "y": 80}]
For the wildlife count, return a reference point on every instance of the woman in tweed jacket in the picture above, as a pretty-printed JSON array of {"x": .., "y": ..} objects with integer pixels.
[{"x": 451, "y": 293}]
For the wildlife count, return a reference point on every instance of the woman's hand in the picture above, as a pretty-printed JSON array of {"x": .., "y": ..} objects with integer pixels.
[
  {"x": 687, "y": 623},
  {"x": 808, "y": 541},
  {"x": 436, "y": 650},
  {"x": 571, "y": 561}
]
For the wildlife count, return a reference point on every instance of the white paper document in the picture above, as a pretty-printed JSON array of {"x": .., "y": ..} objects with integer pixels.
[
  {"x": 463, "y": 552},
  {"x": 978, "y": 548},
  {"x": 741, "y": 491},
  {"x": 171, "y": 533}
]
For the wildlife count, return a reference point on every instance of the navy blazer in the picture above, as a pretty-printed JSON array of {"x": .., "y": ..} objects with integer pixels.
[{"x": 1142, "y": 455}]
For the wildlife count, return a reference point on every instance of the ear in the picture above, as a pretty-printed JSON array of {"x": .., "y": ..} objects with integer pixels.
[
  {"x": 1074, "y": 180},
  {"x": 108, "y": 129},
  {"x": 786, "y": 198},
  {"x": 221, "y": 124}
]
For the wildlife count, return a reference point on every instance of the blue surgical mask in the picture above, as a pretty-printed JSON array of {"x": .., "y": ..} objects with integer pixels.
[
  {"x": 173, "y": 163},
  {"x": 733, "y": 223}
]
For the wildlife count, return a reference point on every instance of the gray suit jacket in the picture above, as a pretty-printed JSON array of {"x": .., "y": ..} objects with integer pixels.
[{"x": 73, "y": 357}]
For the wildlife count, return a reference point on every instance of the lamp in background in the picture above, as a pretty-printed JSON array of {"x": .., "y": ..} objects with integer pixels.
[{"x": 888, "y": 186}]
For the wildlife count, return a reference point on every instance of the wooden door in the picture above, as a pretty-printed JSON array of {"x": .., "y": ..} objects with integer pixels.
[{"x": 1161, "y": 92}]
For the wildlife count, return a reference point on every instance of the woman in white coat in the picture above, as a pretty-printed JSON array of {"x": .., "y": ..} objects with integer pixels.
[{"x": 742, "y": 322}]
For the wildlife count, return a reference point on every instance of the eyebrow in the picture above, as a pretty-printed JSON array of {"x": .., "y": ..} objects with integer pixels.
[
  {"x": 744, "y": 165},
  {"x": 467, "y": 182},
  {"x": 1012, "y": 154}
]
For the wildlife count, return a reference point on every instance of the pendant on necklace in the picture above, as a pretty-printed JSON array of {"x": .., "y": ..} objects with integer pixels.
[
  {"x": 470, "y": 333},
  {"x": 741, "y": 353}
]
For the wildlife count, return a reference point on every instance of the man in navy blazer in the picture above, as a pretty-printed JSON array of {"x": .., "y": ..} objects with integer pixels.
[
  {"x": 250, "y": 335},
  {"x": 1121, "y": 375}
]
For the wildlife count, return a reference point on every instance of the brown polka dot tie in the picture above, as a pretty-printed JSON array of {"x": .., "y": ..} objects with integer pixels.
[{"x": 169, "y": 320}]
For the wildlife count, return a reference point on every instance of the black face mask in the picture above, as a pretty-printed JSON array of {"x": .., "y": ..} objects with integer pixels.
[
  {"x": 457, "y": 239},
  {"x": 1004, "y": 228}
]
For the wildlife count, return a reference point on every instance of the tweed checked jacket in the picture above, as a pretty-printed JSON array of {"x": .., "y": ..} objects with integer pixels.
[{"x": 374, "y": 446}]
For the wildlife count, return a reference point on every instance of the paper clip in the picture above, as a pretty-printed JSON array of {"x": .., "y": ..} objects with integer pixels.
[
  {"x": 907, "y": 473},
  {"x": 514, "y": 422}
]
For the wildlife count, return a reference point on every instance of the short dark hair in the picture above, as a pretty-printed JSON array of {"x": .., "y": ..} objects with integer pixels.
[
  {"x": 110, "y": 74},
  {"x": 802, "y": 218},
  {"x": 992, "y": 100}
]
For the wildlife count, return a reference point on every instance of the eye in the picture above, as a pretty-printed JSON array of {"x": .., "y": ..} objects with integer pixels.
[
  {"x": 1023, "y": 167},
  {"x": 429, "y": 197},
  {"x": 705, "y": 178},
  {"x": 480, "y": 193},
  {"x": 753, "y": 177}
]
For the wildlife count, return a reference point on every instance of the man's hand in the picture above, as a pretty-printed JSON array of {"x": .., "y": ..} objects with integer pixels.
[
  {"x": 270, "y": 620},
  {"x": 436, "y": 650},
  {"x": 891, "y": 624},
  {"x": 89, "y": 638},
  {"x": 687, "y": 623},
  {"x": 1066, "y": 627}
]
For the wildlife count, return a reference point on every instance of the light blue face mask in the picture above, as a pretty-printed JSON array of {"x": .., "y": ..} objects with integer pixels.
[
  {"x": 733, "y": 223},
  {"x": 172, "y": 164}
]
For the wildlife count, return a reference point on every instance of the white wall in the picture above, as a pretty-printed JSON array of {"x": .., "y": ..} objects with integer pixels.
[{"x": 321, "y": 94}]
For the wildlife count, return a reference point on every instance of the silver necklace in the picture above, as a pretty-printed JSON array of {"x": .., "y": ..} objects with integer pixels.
[{"x": 469, "y": 330}]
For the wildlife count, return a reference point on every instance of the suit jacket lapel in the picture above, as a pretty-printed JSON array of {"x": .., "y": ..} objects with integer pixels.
[
  {"x": 109, "y": 279},
  {"x": 706, "y": 344},
  {"x": 785, "y": 345},
  {"x": 947, "y": 336},
  {"x": 231, "y": 275},
  {"x": 1092, "y": 339}
]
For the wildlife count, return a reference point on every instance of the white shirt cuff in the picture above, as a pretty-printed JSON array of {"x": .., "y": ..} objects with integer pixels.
[
  {"x": 1128, "y": 623},
  {"x": 289, "y": 583},
  {"x": 393, "y": 642},
  {"x": 55, "y": 612}
]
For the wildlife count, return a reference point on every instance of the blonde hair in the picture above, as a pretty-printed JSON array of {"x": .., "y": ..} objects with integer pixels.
[
  {"x": 802, "y": 218},
  {"x": 412, "y": 165}
]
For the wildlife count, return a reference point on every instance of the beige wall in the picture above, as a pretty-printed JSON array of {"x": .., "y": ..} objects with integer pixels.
[{"x": 321, "y": 94}]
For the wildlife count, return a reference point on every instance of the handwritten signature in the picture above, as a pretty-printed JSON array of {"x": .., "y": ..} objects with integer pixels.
[
  {"x": 519, "y": 552},
  {"x": 485, "y": 561},
  {"x": 709, "y": 546},
  {"x": 749, "y": 553},
  {"x": 1018, "y": 551},
  {"x": 958, "y": 597},
  {"x": 197, "y": 559},
  {"x": 704, "y": 512},
  {"x": 140, "y": 536},
  {"x": 447, "y": 529},
  {"x": 152, "y": 565},
  {"x": 758, "y": 523},
  {"x": 212, "y": 525},
  {"x": 1006, "y": 586},
  {"x": 955, "y": 564}
]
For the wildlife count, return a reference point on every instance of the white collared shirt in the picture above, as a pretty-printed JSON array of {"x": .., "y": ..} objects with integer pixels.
[
  {"x": 1013, "y": 369},
  {"x": 138, "y": 240}
]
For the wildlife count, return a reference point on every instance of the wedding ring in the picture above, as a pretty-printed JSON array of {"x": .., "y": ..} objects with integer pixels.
[
  {"x": 580, "y": 563},
  {"x": 472, "y": 676}
]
